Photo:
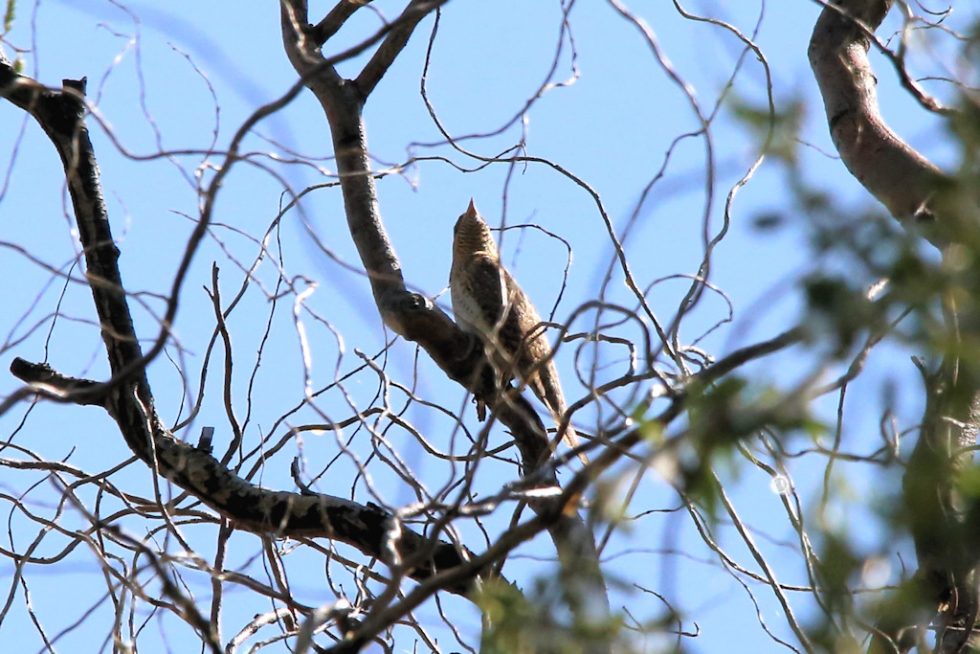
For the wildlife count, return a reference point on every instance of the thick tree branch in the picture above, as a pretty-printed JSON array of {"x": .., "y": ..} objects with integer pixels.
[
  {"x": 894, "y": 172},
  {"x": 912, "y": 188}
]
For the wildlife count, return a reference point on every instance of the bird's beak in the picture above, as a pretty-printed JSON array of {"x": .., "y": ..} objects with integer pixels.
[{"x": 471, "y": 210}]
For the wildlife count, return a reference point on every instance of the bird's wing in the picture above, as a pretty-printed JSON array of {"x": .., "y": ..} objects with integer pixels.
[
  {"x": 522, "y": 333},
  {"x": 534, "y": 364},
  {"x": 486, "y": 290},
  {"x": 502, "y": 309}
]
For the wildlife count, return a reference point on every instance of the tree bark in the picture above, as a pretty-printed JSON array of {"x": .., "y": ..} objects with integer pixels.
[{"x": 945, "y": 587}]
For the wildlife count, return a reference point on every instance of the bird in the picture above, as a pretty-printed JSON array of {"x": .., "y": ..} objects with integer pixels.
[{"x": 490, "y": 304}]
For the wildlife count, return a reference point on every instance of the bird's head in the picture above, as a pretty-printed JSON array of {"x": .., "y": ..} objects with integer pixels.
[{"x": 472, "y": 235}]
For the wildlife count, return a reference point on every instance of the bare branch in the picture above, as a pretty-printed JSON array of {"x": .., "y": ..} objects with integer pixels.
[
  {"x": 386, "y": 53},
  {"x": 335, "y": 19}
]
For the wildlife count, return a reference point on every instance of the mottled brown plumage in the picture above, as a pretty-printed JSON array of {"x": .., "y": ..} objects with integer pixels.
[{"x": 489, "y": 303}]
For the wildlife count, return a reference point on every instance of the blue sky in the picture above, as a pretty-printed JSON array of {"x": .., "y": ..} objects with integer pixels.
[{"x": 152, "y": 81}]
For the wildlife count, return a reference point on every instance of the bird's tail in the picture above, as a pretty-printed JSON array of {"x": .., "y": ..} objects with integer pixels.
[
  {"x": 557, "y": 405},
  {"x": 570, "y": 436}
]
